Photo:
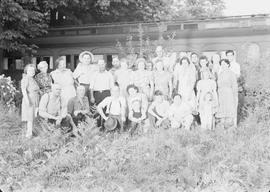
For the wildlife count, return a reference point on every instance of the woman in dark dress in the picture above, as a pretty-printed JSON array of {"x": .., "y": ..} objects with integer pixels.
[{"x": 43, "y": 78}]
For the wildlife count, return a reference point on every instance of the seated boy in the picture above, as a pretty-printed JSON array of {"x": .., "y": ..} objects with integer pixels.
[{"x": 157, "y": 111}]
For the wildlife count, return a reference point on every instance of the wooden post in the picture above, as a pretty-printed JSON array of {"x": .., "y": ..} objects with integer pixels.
[
  {"x": 1, "y": 61},
  {"x": 1, "y": 53}
]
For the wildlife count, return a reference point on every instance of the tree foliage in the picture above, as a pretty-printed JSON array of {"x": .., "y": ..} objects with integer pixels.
[{"x": 22, "y": 19}]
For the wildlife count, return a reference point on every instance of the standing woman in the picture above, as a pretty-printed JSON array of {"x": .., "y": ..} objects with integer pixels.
[
  {"x": 84, "y": 71},
  {"x": 43, "y": 78},
  {"x": 186, "y": 78},
  {"x": 30, "y": 101},
  {"x": 204, "y": 67},
  {"x": 64, "y": 78},
  {"x": 215, "y": 66},
  {"x": 227, "y": 93},
  {"x": 162, "y": 79},
  {"x": 143, "y": 79}
]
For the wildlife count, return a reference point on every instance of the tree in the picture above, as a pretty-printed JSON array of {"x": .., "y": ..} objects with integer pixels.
[{"x": 23, "y": 19}]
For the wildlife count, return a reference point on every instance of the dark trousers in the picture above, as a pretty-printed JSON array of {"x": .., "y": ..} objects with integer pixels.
[
  {"x": 65, "y": 125},
  {"x": 87, "y": 91},
  {"x": 99, "y": 96}
]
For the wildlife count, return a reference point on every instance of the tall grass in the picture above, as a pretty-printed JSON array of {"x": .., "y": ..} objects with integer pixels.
[{"x": 163, "y": 160}]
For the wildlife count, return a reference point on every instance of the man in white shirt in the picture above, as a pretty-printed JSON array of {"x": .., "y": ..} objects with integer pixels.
[
  {"x": 115, "y": 107},
  {"x": 101, "y": 83},
  {"x": 234, "y": 66},
  {"x": 85, "y": 70}
]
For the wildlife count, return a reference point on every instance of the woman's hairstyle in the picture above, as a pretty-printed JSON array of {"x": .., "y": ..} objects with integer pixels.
[
  {"x": 132, "y": 86},
  {"x": 41, "y": 64},
  {"x": 184, "y": 58},
  {"x": 177, "y": 94},
  {"x": 226, "y": 61},
  {"x": 203, "y": 58},
  {"x": 158, "y": 93},
  {"x": 213, "y": 56},
  {"x": 58, "y": 61},
  {"x": 193, "y": 53},
  {"x": 229, "y": 51},
  {"x": 27, "y": 66}
]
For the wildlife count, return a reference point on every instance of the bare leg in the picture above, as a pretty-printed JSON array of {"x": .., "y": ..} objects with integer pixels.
[{"x": 29, "y": 129}]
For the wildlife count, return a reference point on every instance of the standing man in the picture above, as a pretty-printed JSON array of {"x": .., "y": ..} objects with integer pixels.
[
  {"x": 85, "y": 70},
  {"x": 100, "y": 86},
  {"x": 235, "y": 68},
  {"x": 101, "y": 83}
]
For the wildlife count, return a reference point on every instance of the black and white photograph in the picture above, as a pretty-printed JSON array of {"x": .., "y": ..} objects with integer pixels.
[{"x": 134, "y": 96}]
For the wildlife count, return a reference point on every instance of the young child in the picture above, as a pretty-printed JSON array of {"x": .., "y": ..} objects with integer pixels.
[
  {"x": 136, "y": 115},
  {"x": 207, "y": 109}
]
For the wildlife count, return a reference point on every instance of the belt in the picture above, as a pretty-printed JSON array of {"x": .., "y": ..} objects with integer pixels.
[{"x": 101, "y": 91}]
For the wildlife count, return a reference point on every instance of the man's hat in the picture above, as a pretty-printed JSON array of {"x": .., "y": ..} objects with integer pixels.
[
  {"x": 88, "y": 53},
  {"x": 140, "y": 60},
  {"x": 110, "y": 124}
]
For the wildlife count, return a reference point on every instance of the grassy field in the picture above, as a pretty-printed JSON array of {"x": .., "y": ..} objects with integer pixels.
[{"x": 233, "y": 160}]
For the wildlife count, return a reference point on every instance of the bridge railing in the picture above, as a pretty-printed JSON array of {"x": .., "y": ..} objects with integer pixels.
[{"x": 166, "y": 26}]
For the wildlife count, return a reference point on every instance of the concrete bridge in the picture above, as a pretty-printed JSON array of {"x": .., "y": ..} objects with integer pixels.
[{"x": 250, "y": 33}]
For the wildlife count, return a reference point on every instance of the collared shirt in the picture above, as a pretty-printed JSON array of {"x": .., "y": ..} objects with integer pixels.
[
  {"x": 50, "y": 104},
  {"x": 74, "y": 104},
  {"x": 102, "y": 81},
  {"x": 115, "y": 106},
  {"x": 84, "y": 72},
  {"x": 235, "y": 68}
]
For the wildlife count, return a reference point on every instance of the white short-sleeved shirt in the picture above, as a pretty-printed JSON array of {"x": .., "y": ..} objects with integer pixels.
[
  {"x": 114, "y": 106},
  {"x": 84, "y": 73},
  {"x": 102, "y": 81}
]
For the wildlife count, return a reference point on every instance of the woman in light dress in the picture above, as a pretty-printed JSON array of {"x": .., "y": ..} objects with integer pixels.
[
  {"x": 64, "y": 77},
  {"x": 162, "y": 79},
  {"x": 227, "y": 93},
  {"x": 207, "y": 100},
  {"x": 185, "y": 79},
  {"x": 143, "y": 79},
  {"x": 123, "y": 76},
  {"x": 30, "y": 101}
]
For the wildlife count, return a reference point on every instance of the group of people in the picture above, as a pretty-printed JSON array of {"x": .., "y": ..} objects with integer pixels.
[{"x": 166, "y": 91}]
